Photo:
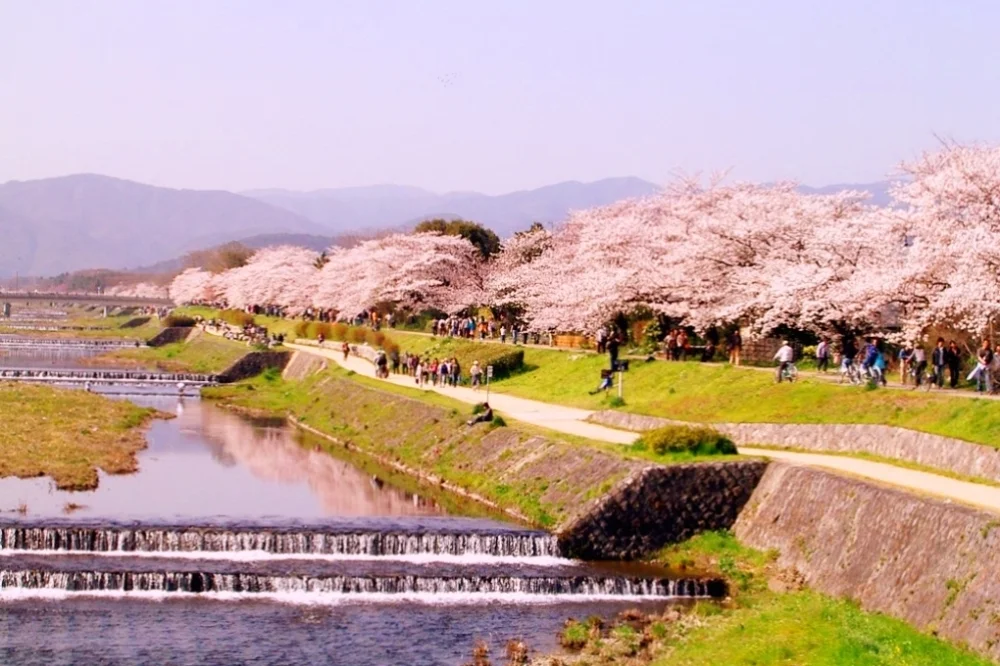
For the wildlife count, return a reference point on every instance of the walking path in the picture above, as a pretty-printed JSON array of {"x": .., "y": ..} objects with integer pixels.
[{"x": 572, "y": 421}]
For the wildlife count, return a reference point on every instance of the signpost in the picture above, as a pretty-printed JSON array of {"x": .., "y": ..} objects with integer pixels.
[{"x": 489, "y": 375}]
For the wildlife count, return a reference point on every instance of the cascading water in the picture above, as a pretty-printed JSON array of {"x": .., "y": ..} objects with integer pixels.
[
  {"x": 433, "y": 566},
  {"x": 83, "y": 539},
  {"x": 103, "y": 376}
]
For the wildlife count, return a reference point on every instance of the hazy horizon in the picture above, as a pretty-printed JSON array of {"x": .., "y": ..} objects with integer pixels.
[{"x": 452, "y": 96}]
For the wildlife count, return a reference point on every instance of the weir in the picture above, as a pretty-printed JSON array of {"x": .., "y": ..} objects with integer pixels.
[
  {"x": 94, "y": 539},
  {"x": 282, "y": 561},
  {"x": 65, "y": 343},
  {"x": 208, "y": 582},
  {"x": 105, "y": 376}
]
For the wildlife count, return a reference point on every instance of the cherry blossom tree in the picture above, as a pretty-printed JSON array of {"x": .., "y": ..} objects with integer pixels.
[
  {"x": 707, "y": 255},
  {"x": 420, "y": 271},
  {"x": 193, "y": 286},
  {"x": 283, "y": 276},
  {"x": 951, "y": 219}
]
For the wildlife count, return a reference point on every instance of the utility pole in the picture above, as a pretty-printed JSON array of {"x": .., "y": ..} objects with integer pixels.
[{"x": 489, "y": 375}]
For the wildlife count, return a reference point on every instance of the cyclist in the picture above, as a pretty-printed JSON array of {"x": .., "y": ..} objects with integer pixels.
[{"x": 784, "y": 356}]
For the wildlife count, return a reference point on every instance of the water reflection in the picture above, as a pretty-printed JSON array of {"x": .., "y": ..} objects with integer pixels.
[
  {"x": 62, "y": 358},
  {"x": 210, "y": 464}
]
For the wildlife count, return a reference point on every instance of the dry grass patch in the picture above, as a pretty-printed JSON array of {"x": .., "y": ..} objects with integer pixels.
[{"x": 67, "y": 434}]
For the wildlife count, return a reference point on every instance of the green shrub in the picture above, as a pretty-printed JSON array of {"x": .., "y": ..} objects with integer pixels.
[
  {"x": 498, "y": 422},
  {"x": 301, "y": 329},
  {"x": 357, "y": 335},
  {"x": 574, "y": 635},
  {"x": 338, "y": 331},
  {"x": 697, "y": 440},
  {"x": 505, "y": 360},
  {"x": 809, "y": 351},
  {"x": 179, "y": 321},
  {"x": 236, "y": 317}
]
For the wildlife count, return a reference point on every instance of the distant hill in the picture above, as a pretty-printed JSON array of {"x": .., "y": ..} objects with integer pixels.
[
  {"x": 879, "y": 191},
  {"x": 348, "y": 209},
  {"x": 88, "y": 221},
  {"x": 66, "y": 224}
]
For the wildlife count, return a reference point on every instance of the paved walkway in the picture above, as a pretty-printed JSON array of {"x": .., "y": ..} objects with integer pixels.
[{"x": 572, "y": 421}]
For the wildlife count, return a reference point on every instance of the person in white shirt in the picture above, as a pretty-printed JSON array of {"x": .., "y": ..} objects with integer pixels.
[{"x": 784, "y": 357}]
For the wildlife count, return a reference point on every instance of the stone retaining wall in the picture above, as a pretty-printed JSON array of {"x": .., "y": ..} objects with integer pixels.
[
  {"x": 253, "y": 364},
  {"x": 659, "y": 505},
  {"x": 926, "y": 561},
  {"x": 944, "y": 453},
  {"x": 170, "y": 335}
]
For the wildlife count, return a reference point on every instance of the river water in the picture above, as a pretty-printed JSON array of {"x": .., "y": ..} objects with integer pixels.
[{"x": 241, "y": 542}]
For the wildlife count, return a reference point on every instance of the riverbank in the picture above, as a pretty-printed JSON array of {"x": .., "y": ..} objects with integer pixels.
[
  {"x": 770, "y": 619},
  {"x": 531, "y": 473},
  {"x": 201, "y": 354},
  {"x": 68, "y": 435}
]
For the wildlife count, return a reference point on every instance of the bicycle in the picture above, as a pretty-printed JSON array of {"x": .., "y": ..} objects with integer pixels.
[
  {"x": 789, "y": 373},
  {"x": 851, "y": 372},
  {"x": 926, "y": 380}
]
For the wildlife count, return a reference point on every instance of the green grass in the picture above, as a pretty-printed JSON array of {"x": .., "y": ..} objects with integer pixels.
[
  {"x": 203, "y": 354},
  {"x": 759, "y": 626},
  {"x": 93, "y": 327},
  {"x": 813, "y": 630},
  {"x": 67, "y": 434},
  {"x": 722, "y": 393}
]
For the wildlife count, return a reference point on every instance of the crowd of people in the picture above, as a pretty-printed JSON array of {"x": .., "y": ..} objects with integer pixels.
[{"x": 252, "y": 334}]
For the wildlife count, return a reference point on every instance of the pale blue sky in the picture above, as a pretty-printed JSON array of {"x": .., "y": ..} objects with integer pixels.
[{"x": 325, "y": 93}]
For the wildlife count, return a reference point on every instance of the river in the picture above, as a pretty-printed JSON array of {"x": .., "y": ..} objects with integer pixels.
[{"x": 241, "y": 542}]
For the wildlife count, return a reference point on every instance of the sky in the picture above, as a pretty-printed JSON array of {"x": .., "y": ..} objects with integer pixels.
[{"x": 490, "y": 96}]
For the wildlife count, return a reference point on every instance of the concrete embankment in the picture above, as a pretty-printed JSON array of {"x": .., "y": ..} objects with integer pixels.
[
  {"x": 926, "y": 561},
  {"x": 934, "y": 451},
  {"x": 542, "y": 479}
]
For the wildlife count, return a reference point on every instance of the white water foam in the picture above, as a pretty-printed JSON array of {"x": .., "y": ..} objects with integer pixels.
[
  {"x": 264, "y": 556},
  {"x": 10, "y": 595}
]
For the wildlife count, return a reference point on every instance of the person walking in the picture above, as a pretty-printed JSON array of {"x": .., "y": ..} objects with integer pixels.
[
  {"x": 456, "y": 372},
  {"x": 918, "y": 361},
  {"x": 735, "y": 344},
  {"x": 613, "y": 350},
  {"x": 602, "y": 339},
  {"x": 503, "y": 333},
  {"x": 954, "y": 363},
  {"x": 904, "y": 356},
  {"x": 985, "y": 357},
  {"x": 939, "y": 359},
  {"x": 823, "y": 355},
  {"x": 346, "y": 348},
  {"x": 476, "y": 373}
]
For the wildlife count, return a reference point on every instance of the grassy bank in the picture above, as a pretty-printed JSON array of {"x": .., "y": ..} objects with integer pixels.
[
  {"x": 769, "y": 621},
  {"x": 533, "y": 472},
  {"x": 87, "y": 325},
  {"x": 720, "y": 393},
  {"x": 203, "y": 353},
  {"x": 67, "y": 434}
]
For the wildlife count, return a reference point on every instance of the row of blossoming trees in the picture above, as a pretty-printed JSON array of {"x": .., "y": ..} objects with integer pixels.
[{"x": 704, "y": 255}]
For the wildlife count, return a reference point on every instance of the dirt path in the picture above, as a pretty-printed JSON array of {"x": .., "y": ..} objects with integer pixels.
[{"x": 573, "y": 421}]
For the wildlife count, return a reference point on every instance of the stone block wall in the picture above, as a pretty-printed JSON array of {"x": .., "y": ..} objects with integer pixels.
[
  {"x": 170, "y": 335},
  {"x": 926, "y": 561},
  {"x": 253, "y": 364},
  {"x": 659, "y": 505}
]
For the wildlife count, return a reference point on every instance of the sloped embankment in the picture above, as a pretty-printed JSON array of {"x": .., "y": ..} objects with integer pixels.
[{"x": 929, "y": 562}]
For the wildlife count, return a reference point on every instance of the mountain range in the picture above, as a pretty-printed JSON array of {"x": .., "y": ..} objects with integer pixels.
[{"x": 57, "y": 225}]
